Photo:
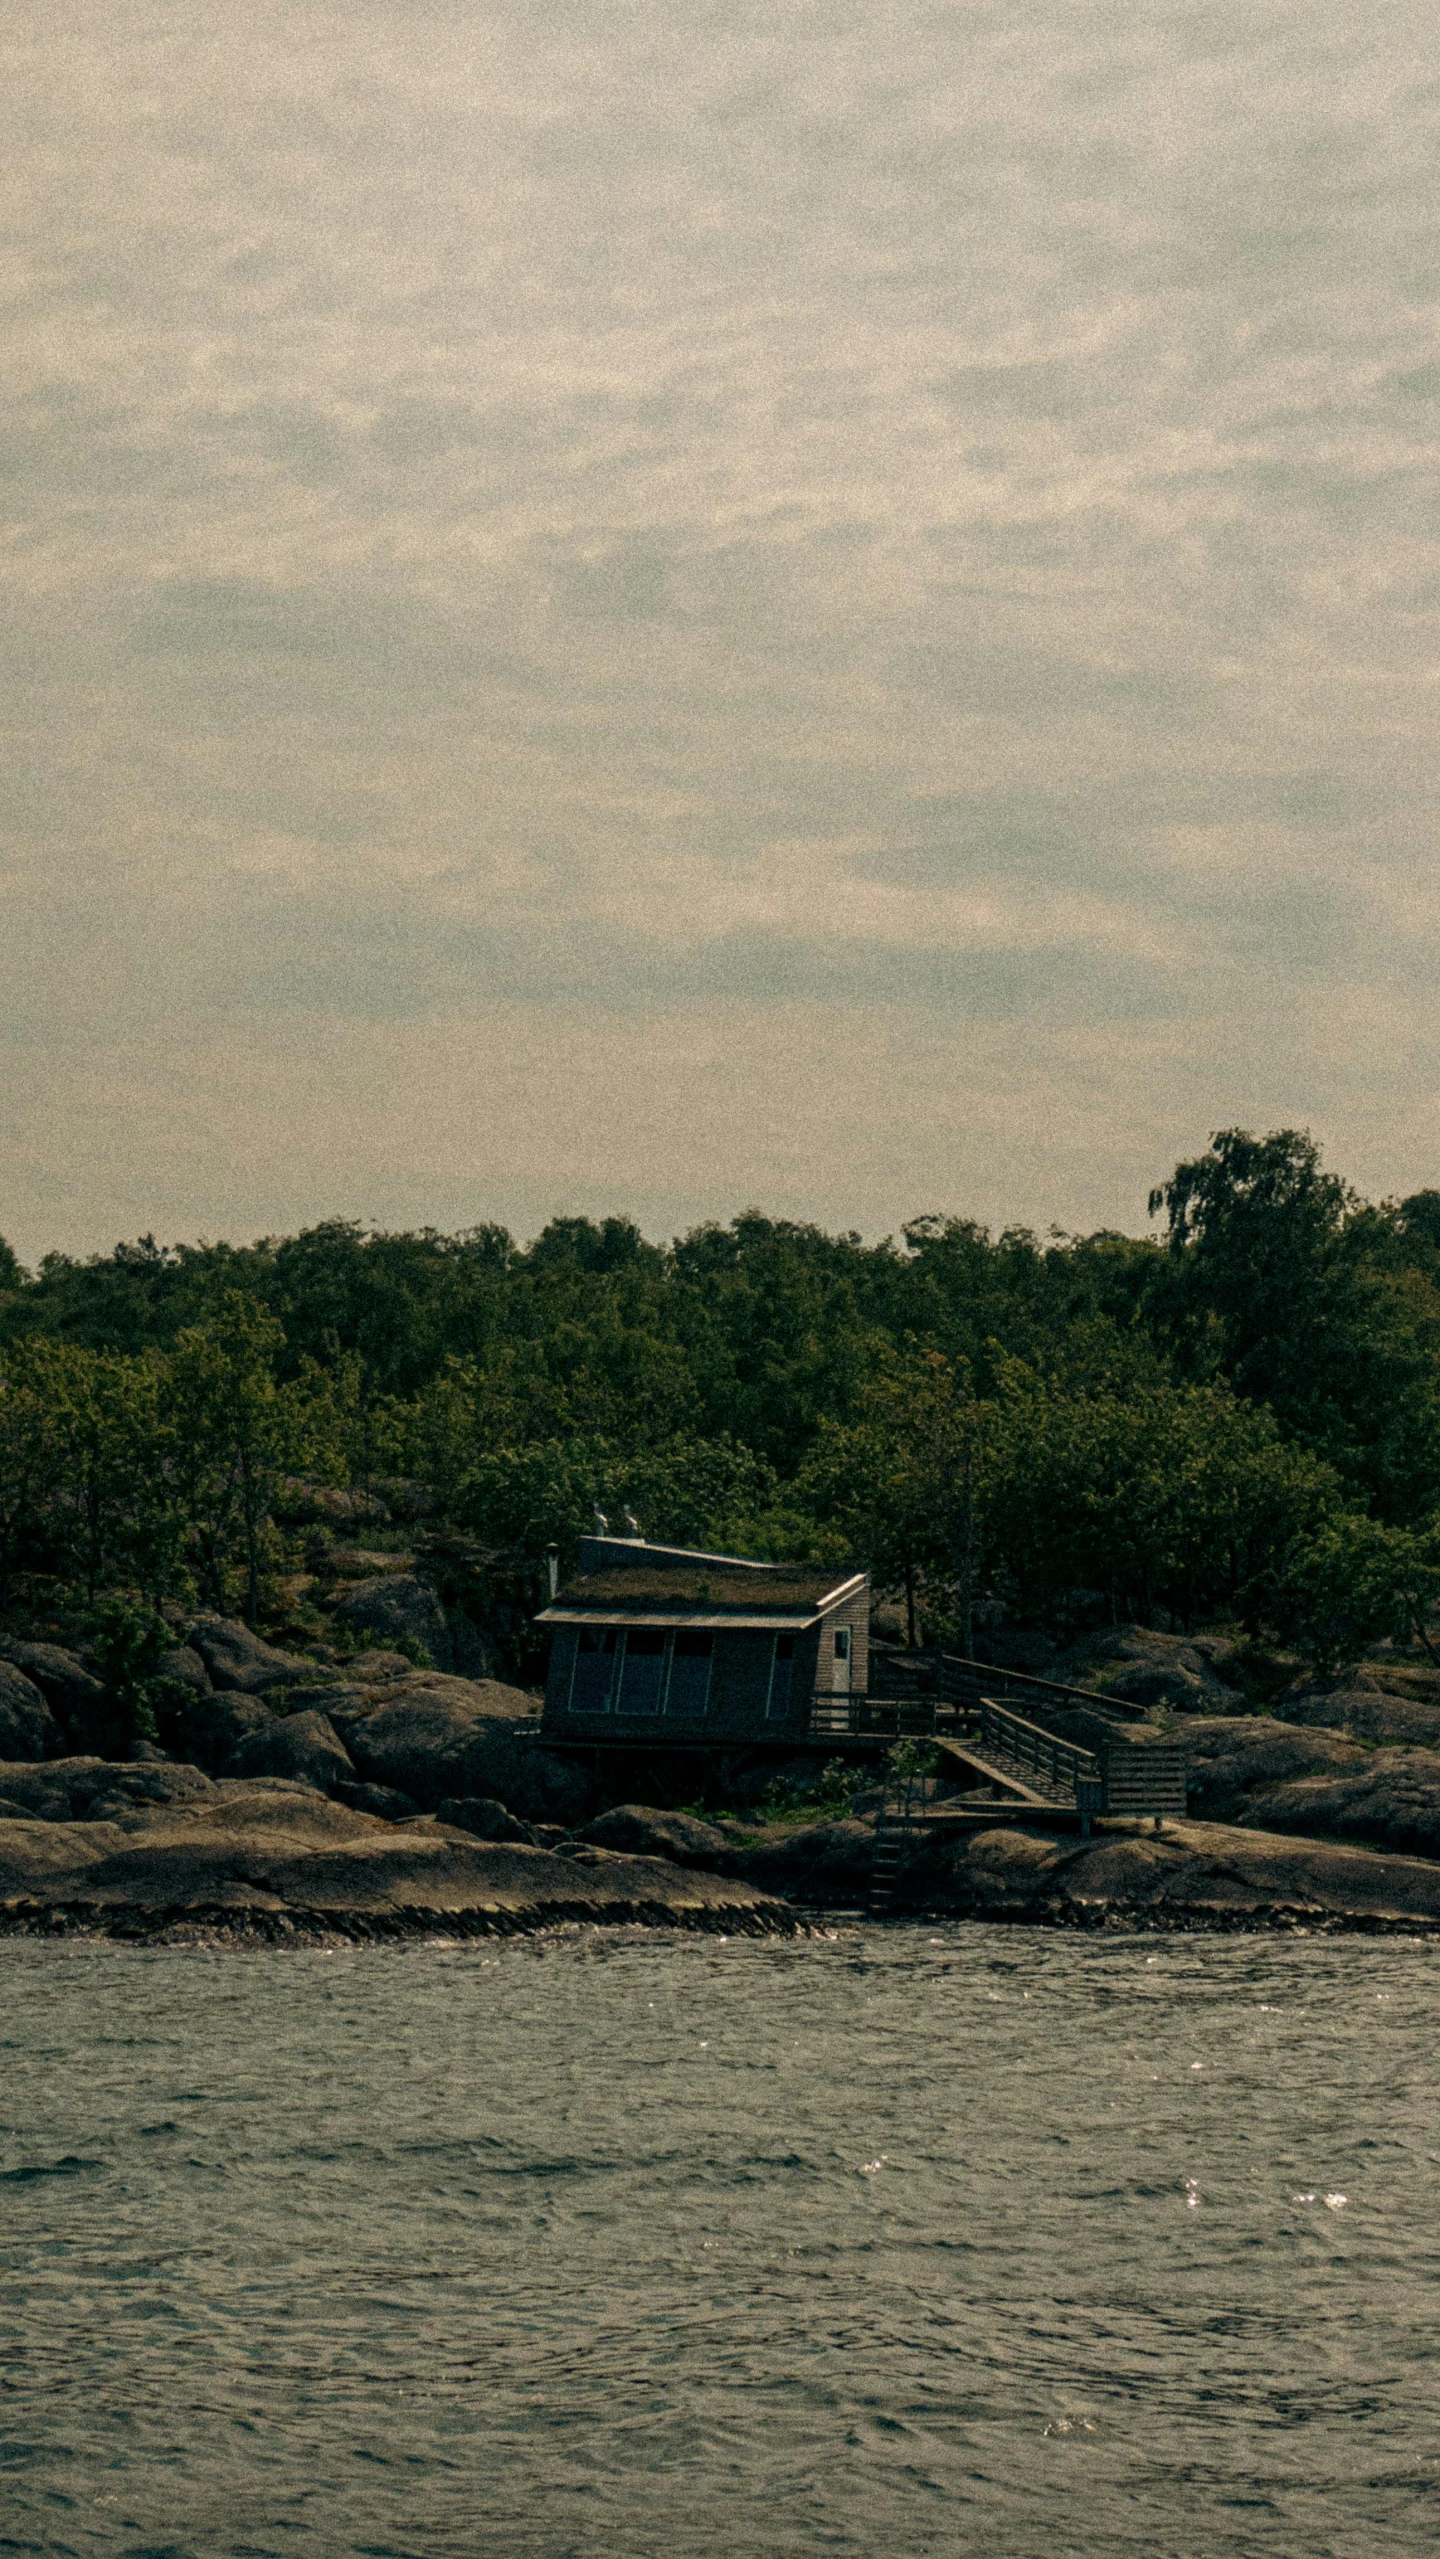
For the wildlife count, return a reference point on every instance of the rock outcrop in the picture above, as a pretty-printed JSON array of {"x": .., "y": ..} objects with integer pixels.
[
  {"x": 377, "y": 1668},
  {"x": 385, "y": 1802},
  {"x": 1367, "y": 1714},
  {"x": 483, "y": 1817},
  {"x": 238, "y": 1659},
  {"x": 279, "y": 1859},
  {"x": 390, "y": 1605},
  {"x": 86, "y": 1790},
  {"x": 829, "y": 1862},
  {"x": 211, "y": 1726},
  {"x": 28, "y": 1730},
  {"x": 639, "y": 1830},
  {"x": 1235, "y": 1762},
  {"x": 435, "y": 1736},
  {"x": 304, "y": 1745},
  {"x": 1306, "y": 1778},
  {"x": 68, "y": 1688},
  {"x": 1142, "y": 1667},
  {"x": 1190, "y": 1875},
  {"x": 186, "y": 1665}
]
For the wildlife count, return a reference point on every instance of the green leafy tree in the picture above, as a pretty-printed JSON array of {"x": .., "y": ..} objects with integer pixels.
[
  {"x": 30, "y": 1457},
  {"x": 706, "y": 1492},
  {"x": 110, "y": 1511},
  {"x": 1277, "y": 1262},
  {"x": 236, "y": 1431},
  {"x": 1171, "y": 1498},
  {"x": 129, "y": 1641},
  {"x": 1354, "y": 1581},
  {"x": 910, "y": 1478}
]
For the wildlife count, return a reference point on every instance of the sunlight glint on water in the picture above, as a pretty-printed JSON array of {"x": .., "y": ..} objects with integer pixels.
[{"x": 902, "y": 2241}]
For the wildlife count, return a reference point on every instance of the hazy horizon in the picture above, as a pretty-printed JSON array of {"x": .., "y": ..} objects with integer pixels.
[{"x": 639, "y": 611}]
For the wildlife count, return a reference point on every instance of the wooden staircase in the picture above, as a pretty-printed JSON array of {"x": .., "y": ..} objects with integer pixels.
[{"x": 1036, "y": 1775}]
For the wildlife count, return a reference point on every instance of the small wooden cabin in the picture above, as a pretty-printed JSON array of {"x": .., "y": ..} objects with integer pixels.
[{"x": 655, "y": 1642}]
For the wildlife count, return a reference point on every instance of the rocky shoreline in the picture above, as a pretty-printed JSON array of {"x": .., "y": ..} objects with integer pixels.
[
  {"x": 297, "y": 1803},
  {"x": 274, "y": 1862},
  {"x": 137, "y": 1925}
]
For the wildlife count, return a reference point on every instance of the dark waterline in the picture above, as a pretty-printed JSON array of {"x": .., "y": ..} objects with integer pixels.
[{"x": 921, "y": 2239}]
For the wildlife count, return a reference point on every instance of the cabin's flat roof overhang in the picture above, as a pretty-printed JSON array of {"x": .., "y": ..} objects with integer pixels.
[
  {"x": 705, "y": 1610},
  {"x": 779, "y": 1621}
]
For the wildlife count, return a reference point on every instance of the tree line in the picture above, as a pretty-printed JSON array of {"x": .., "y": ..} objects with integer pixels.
[{"x": 1239, "y": 1414}]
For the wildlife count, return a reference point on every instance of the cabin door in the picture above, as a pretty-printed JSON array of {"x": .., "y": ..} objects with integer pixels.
[{"x": 841, "y": 1681}]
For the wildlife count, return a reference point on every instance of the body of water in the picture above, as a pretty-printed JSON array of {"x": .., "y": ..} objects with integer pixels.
[{"x": 596, "y": 2246}]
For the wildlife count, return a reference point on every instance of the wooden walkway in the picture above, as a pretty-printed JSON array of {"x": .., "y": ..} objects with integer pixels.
[{"x": 1016, "y": 1770}]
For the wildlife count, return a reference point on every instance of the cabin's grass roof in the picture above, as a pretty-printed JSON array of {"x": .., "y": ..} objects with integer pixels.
[{"x": 680, "y": 1594}]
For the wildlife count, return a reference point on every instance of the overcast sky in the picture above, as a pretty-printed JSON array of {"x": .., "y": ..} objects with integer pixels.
[{"x": 649, "y": 608}]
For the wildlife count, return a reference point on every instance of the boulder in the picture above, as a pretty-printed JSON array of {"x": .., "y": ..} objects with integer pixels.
[
  {"x": 386, "y": 1803},
  {"x": 239, "y": 1659},
  {"x": 830, "y": 1862},
  {"x": 638, "y": 1830},
  {"x": 484, "y": 1818},
  {"x": 68, "y": 1790},
  {"x": 305, "y": 1745},
  {"x": 185, "y": 1665},
  {"x": 1382, "y": 1798},
  {"x": 67, "y": 1687},
  {"x": 1366, "y": 1714},
  {"x": 398, "y": 1604},
  {"x": 28, "y": 1730},
  {"x": 472, "y": 1653},
  {"x": 209, "y": 1729},
  {"x": 1151, "y": 1684},
  {"x": 1190, "y": 1874},
  {"x": 369, "y": 1668},
  {"x": 1237, "y": 1760},
  {"x": 433, "y": 1736}
]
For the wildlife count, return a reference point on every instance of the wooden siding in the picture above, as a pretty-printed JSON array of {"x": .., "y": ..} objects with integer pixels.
[{"x": 740, "y": 1685}]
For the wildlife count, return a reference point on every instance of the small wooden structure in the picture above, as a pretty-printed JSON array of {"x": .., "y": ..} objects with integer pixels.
[{"x": 664, "y": 1644}]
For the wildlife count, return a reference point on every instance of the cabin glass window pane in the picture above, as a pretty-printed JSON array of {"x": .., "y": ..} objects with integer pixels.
[
  {"x": 780, "y": 1671},
  {"x": 690, "y": 1667},
  {"x": 642, "y": 1675},
  {"x": 594, "y": 1673}
]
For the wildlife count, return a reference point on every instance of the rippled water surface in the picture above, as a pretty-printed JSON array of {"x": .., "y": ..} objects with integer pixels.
[{"x": 902, "y": 2241}]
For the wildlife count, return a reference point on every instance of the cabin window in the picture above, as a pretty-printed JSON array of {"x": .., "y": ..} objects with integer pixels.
[
  {"x": 690, "y": 1667},
  {"x": 642, "y": 1674},
  {"x": 593, "y": 1677},
  {"x": 780, "y": 1669}
]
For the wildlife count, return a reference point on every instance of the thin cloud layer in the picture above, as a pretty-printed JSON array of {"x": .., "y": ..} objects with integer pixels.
[{"x": 637, "y": 608}]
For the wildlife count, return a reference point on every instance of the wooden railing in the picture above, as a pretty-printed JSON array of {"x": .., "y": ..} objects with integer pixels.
[
  {"x": 1060, "y": 1765},
  {"x": 964, "y": 1683},
  {"x": 849, "y": 1718},
  {"x": 1146, "y": 1778}
]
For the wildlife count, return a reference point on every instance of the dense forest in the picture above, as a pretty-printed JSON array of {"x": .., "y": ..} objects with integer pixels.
[{"x": 1238, "y": 1417}]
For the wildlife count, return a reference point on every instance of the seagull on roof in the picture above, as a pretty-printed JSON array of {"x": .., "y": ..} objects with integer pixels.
[
  {"x": 632, "y": 1525},
  {"x": 601, "y": 1524}
]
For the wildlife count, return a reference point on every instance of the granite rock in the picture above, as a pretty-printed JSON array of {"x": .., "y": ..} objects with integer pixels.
[
  {"x": 304, "y": 1745},
  {"x": 28, "y": 1730},
  {"x": 390, "y": 1605},
  {"x": 68, "y": 1688},
  {"x": 238, "y": 1659},
  {"x": 639, "y": 1830}
]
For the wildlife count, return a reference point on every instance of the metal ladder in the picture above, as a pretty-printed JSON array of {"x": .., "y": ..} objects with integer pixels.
[{"x": 894, "y": 1831}]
